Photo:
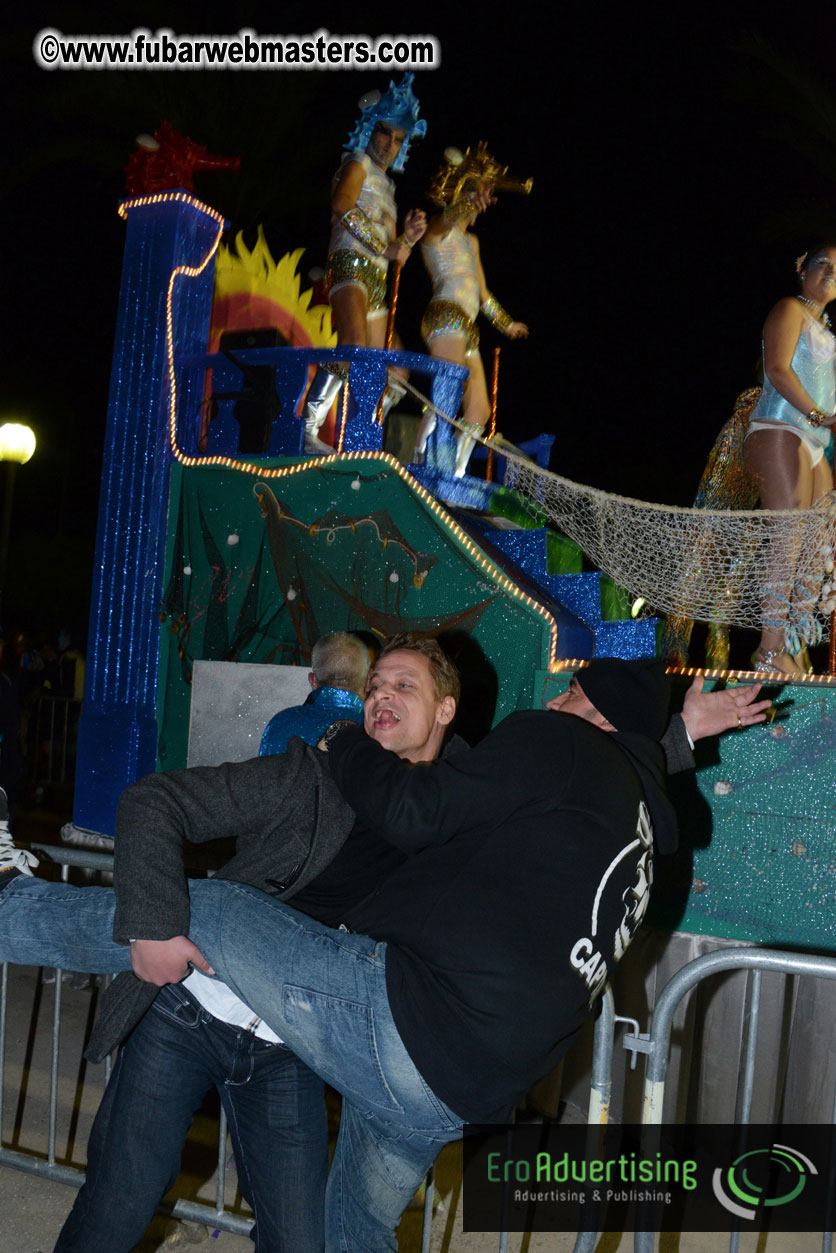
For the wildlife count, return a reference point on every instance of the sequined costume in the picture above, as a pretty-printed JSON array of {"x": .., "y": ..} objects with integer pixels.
[
  {"x": 813, "y": 363},
  {"x": 725, "y": 484},
  {"x": 453, "y": 268},
  {"x": 351, "y": 262},
  {"x": 311, "y": 720}
]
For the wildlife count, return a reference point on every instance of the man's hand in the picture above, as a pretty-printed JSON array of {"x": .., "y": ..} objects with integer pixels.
[
  {"x": 167, "y": 961},
  {"x": 711, "y": 713}
]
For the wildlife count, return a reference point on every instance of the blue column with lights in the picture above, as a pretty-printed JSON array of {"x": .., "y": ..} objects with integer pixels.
[{"x": 117, "y": 739}]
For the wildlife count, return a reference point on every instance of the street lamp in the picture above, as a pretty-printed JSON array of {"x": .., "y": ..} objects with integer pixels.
[{"x": 17, "y": 443}]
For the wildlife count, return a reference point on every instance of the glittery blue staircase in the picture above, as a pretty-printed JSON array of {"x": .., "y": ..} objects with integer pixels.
[{"x": 579, "y": 595}]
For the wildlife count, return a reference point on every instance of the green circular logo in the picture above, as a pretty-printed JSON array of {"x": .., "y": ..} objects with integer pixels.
[{"x": 762, "y": 1178}]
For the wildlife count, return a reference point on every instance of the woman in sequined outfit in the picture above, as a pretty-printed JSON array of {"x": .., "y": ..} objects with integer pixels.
[
  {"x": 790, "y": 427},
  {"x": 451, "y": 254},
  {"x": 363, "y": 226}
]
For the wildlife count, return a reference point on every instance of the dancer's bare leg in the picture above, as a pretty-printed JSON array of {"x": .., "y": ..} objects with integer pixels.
[
  {"x": 822, "y": 480},
  {"x": 348, "y": 308},
  {"x": 348, "y": 315},
  {"x": 377, "y": 325},
  {"x": 780, "y": 465},
  {"x": 376, "y": 334}
]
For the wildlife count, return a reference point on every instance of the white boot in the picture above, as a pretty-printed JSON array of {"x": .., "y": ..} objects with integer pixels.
[
  {"x": 428, "y": 424},
  {"x": 395, "y": 391},
  {"x": 321, "y": 395},
  {"x": 465, "y": 443}
]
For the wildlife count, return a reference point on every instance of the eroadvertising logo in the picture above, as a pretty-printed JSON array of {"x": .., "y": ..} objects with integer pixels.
[
  {"x": 693, "y": 1177},
  {"x": 750, "y": 1183}
]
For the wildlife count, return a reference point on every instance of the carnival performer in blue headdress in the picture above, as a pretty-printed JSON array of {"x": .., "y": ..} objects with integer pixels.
[
  {"x": 463, "y": 187},
  {"x": 363, "y": 238}
]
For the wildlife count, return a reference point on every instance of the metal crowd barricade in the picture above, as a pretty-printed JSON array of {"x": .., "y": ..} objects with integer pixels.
[
  {"x": 600, "y": 1092},
  {"x": 658, "y": 1047},
  {"x": 33, "y": 1162},
  {"x": 52, "y": 738},
  {"x": 597, "y": 1115}
]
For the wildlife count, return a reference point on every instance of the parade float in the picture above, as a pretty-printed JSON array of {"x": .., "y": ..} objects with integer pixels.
[{"x": 218, "y": 539}]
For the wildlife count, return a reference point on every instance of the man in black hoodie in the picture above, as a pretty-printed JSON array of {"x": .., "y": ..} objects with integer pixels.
[
  {"x": 524, "y": 874},
  {"x": 526, "y": 870}
]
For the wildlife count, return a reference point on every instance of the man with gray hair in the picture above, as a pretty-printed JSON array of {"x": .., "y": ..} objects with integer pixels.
[
  {"x": 340, "y": 663},
  {"x": 430, "y": 929}
]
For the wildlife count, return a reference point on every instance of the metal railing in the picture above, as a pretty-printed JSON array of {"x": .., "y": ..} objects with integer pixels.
[
  {"x": 55, "y": 737},
  {"x": 32, "y": 1161},
  {"x": 656, "y": 1046},
  {"x": 755, "y": 960}
]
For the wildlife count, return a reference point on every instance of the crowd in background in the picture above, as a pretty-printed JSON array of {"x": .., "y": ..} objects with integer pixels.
[{"x": 41, "y": 687}]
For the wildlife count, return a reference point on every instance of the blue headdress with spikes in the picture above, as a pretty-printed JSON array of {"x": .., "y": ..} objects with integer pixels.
[{"x": 399, "y": 107}]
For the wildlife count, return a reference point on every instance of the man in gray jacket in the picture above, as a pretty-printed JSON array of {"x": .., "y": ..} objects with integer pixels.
[{"x": 400, "y": 1125}]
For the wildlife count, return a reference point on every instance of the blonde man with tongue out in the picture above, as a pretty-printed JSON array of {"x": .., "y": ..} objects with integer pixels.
[{"x": 501, "y": 885}]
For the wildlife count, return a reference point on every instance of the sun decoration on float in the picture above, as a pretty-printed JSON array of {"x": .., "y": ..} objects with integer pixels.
[{"x": 254, "y": 291}]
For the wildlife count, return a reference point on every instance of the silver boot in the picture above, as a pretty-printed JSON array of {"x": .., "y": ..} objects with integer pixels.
[
  {"x": 465, "y": 443},
  {"x": 428, "y": 424},
  {"x": 394, "y": 392},
  {"x": 321, "y": 395}
]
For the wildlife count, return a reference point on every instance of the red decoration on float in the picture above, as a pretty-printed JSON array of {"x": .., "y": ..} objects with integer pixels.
[{"x": 170, "y": 160}]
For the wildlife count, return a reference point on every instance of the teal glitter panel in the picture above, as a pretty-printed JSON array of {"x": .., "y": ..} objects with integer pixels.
[{"x": 766, "y": 869}]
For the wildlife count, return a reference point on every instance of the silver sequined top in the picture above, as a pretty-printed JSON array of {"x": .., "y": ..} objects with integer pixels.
[
  {"x": 813, "y": 362},
  {"x": 452, "y": 266},
  {"x": 377, "y": 200}
]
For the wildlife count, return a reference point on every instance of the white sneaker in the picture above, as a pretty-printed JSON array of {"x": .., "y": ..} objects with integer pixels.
[{"x": 12, "y": 858}]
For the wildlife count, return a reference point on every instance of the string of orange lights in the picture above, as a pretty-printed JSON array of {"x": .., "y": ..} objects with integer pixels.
[{"x": 266, "y": 472}]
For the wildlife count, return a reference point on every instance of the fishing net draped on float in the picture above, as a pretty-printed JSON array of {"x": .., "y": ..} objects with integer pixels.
[
  {"x": 742, "y": 568},
  {"x": 721, "y": 561}
]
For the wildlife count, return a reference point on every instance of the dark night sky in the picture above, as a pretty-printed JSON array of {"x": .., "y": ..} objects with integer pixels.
[{"x": 657, "y": 236}]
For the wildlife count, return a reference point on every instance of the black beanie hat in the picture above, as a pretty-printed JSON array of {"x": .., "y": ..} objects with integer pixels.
[{"x": 632, "y": 695}]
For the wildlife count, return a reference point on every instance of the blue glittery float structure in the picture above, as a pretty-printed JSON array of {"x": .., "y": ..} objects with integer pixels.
[
  {"x": 118, "y": 729},
  {"x": 203, "y": 552},
  {"x": 136, "y": 701}
]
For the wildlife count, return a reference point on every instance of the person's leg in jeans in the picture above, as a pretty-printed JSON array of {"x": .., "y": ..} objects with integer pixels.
[
  {"x": 275, "y": 1107},
  {"x": 276, "y": 1116},
  {"x": 376, "y": 1170},
  {"x": 55, "y": 924},
  {"x": 159, "y": 1081},
  {"x": 324, "y": 993}
]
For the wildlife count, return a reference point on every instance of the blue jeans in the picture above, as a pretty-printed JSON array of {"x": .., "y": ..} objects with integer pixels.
[
  {"x": 276, "y": 1114},
  {"x": 322, "y": 991}
]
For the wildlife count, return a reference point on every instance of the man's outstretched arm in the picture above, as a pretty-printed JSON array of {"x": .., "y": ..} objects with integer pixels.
[
  {"x": 733, "y": 709},
  {"x": 414, "y": 806},
  {"x": 705, "y": 714}
]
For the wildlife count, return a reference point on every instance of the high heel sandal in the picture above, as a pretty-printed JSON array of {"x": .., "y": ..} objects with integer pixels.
[{"x": 764, "y": 661}]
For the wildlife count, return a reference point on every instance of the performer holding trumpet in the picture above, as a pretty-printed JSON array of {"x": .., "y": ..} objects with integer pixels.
[{"x": 463, "y": 186}]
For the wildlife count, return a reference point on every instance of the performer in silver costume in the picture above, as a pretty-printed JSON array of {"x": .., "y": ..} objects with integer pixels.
[
  {"x": 463, "y": 186},
  {"x": 790, "y": 431},
  {"x": 363, "y": 242}
]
